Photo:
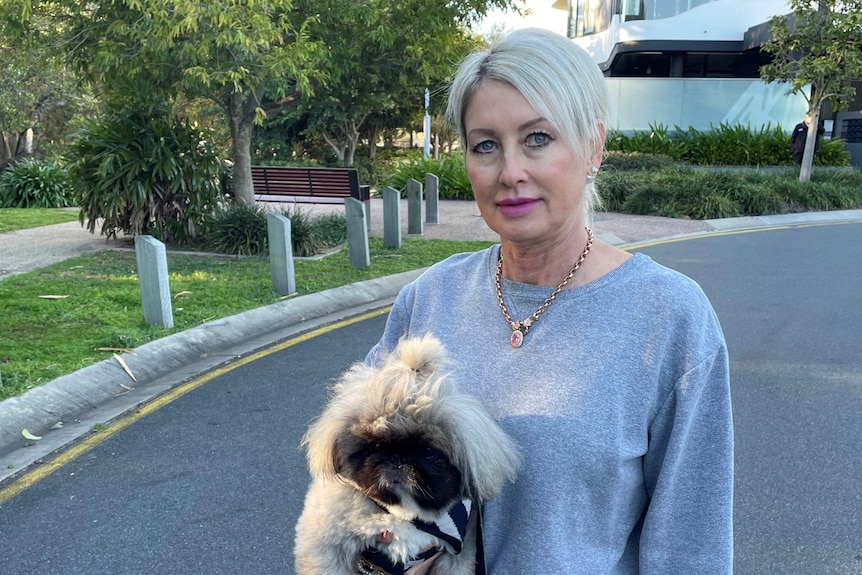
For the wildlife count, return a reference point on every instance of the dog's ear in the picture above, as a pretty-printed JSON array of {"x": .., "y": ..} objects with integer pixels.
[
  {"x": 338, "y": 416},
  {"x": 489, "y": 457}
]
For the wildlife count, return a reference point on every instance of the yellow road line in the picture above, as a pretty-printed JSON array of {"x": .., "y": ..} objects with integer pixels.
[{"x": 31, "y": 478}]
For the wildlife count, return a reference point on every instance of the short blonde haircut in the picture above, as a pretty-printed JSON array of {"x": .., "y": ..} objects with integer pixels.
[{"x": 557, "y": 78}]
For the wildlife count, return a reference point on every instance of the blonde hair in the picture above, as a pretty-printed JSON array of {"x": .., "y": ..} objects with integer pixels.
[{"x": 559, "y": 80}]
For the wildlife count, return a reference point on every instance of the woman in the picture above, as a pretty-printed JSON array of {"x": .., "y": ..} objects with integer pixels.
[{"x": 608, "y": 369}]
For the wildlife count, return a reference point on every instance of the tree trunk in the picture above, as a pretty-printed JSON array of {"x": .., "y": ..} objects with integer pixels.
[
  {"x": 241, "y": 125},
  {"x": 810, "y": 144},
  {"x": 373, "y": 136},
  {"x": 352, "y": 140},
  {"x": 337, "y": 147}
]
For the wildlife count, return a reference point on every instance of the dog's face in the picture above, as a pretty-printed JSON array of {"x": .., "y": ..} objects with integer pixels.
[
  {"x": 405, "y": 470},
  {"x": 403, "y": 434}
]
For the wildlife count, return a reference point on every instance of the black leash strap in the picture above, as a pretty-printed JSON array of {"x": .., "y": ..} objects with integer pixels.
[{"x": 480, "y": 545}]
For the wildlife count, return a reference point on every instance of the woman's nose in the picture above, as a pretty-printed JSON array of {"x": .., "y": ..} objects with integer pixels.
[{"x": 512, "y": 169}]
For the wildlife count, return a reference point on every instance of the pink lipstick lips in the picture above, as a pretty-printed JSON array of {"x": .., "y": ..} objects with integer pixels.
[{"x": 516, "y": 207}]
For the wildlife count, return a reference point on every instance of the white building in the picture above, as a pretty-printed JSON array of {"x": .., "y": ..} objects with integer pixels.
[{"x": 684, "y": 62}]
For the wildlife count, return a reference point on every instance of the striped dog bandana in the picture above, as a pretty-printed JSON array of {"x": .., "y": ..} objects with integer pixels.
[{"x": 450, "y": 528}]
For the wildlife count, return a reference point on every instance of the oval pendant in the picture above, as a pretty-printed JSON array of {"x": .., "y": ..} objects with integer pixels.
[{"x": 517, "y": 338}]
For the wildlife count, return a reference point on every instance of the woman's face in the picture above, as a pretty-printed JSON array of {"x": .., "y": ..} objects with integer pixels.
[{"x": 528, "y": 183}]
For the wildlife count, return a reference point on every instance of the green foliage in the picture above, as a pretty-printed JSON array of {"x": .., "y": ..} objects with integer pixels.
[
  {"x": 734, "y": 145},
  {"x": 238, "y": 229},
  {"x": 31, "y": 183},
  {"x": 722, "y": 145},
  {"x": 657, "y": 140},
  {"x": 141, "y": 171},
  {"x": 816, "y": 48},
  {"x": 618, "y": 160},
  {"x": 815, "y": 51},
  {"x": 330, "y": 229},
  {"x": 242, "y": 230},
  {"x": 832, "y": 153},
  {"x": 450, "y": 169},
  {"x": 707, "y": 193},
  {"x": 303, "y": 235}
]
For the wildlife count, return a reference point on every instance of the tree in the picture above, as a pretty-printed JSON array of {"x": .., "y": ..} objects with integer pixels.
[
  {"x": 817, "y": 49},
  {"x": 252, "y": 58},
  {"x": 380, "y": 57},
  {"x": 255, "y": 59},
  {"x": 35, "y": 85}
]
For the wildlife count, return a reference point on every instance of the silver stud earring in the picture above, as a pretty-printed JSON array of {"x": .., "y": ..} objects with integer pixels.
[{"x": 592, "y": 175}]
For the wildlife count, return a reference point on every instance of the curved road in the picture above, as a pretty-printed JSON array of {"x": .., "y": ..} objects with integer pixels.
[{"x": 210, "y": 478}]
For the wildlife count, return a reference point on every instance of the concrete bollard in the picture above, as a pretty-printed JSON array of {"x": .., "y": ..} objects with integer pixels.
[
  {"x": 414, "y": 207},
  {"x": 153, "y": 280},
  {"x": 357, "y": 234},
  {"x": 280, "y": 254},
  {"x": 391, "y": 218},
  {"x": 432, "y": 199}
]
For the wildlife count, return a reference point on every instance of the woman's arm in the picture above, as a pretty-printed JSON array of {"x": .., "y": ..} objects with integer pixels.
[{"x": 688, "y": 471}]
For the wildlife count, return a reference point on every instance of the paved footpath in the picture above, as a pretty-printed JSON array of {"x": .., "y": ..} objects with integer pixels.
[{"x": 25, "y": 250}]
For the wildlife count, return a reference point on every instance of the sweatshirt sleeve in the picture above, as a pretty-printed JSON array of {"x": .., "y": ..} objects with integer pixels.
[{"x": 688, "y": 471}]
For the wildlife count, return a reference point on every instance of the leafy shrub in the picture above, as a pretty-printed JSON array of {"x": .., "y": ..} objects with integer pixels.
[
  {"x": 657, "y": 140},
  {"x": 238, "y": 229},
  {"x": 302, "y": 233},
  {"x": 832, "y": 153},
  {"x": 723, "y": 145},
  {"x": 31, "y": 183},
  {"x": 617, "y": 160},
  {"x": 141, "y": 171},
  {"x": 450, "y": 169},
  {"x": 242, "y": 230},
  {"x": 704, "y": 193},
  {"x": 330, "y": 229}
]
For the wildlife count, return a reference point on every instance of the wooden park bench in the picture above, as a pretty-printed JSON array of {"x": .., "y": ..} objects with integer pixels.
[{"x": 307, "y": 185}]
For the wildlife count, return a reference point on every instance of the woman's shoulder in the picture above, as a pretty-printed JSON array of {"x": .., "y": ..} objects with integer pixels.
[
  {"x": 661, "y": 291},
  {"x": 646, "y": 272},
  {"x": 460, "y": 265}
]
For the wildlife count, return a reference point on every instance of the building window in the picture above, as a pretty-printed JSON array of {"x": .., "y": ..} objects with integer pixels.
[
  {"x": 633, "y": 10},
  {"x": 656, "y": 9},
  {"x": 589, "y": 16}
]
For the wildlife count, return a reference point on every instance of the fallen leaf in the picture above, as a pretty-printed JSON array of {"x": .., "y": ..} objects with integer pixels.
[
  {"x": 125, "y": 367},
  {"x": 58, "y": 425},
  {"x": 53, "y": 296},
  {"x": 128, "y": 350},
  {"x": 30, "y": 436},
  {"x": 182, "y": 294}
]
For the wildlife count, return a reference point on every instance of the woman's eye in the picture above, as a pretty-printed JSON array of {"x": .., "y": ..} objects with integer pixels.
[
  {"x": 484, "y": 147},
  {"x": 538, "y": 140}
]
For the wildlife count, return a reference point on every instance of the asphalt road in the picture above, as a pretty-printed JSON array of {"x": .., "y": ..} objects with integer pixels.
[{"x": 212, "y": 481}]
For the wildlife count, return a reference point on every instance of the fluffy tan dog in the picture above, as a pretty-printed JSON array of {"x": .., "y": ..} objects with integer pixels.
[{"x": 399, "y": 450}]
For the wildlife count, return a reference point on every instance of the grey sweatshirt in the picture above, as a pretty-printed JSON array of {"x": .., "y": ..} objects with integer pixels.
[{"x": 620, "y": 400}]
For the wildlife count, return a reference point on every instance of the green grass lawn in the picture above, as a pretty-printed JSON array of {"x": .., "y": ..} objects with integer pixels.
[
  {"x": 12, "y": 219},
  {"x": 44, "y": 338}
]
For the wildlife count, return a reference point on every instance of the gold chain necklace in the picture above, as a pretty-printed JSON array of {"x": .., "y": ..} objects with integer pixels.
[{"x": 520, "y": 329}]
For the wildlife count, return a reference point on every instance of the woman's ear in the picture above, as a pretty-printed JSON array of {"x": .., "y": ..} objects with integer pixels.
[{"x": 598, "y": 150}]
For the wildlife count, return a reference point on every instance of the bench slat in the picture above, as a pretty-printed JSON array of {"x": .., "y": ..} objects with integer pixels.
[{"x": 312, "y": 185}]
